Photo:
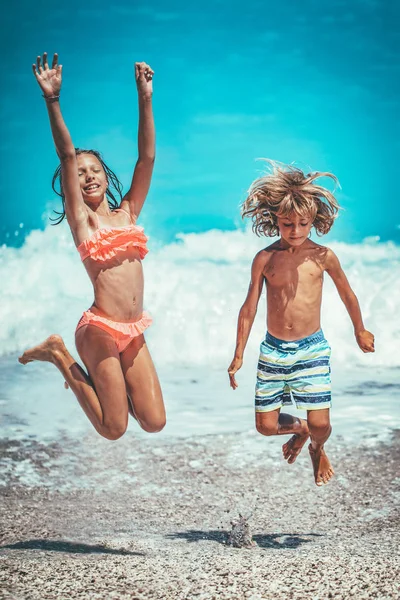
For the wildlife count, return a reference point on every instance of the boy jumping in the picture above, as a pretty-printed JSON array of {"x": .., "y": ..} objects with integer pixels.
[{"x": 294, "y": 357}]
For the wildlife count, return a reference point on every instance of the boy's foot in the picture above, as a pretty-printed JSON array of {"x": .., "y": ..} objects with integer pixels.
[
  {"x": 293, "y": 447},
  {"x": 46, "y": 351},
  {"x": 323, "y": 471}
]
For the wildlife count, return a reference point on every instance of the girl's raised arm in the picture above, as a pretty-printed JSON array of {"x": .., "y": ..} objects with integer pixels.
[
  {"x": 141, "y": 179},
  {"x": 49, "y": 80}
]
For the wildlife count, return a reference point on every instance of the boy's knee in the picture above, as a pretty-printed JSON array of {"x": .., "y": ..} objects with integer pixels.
[
  {"x": 264, "y": 427},
  {"x": 322, "y": 428}
]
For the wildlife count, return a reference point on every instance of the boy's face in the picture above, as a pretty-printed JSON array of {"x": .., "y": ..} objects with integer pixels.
[{"x": 294, "y": 228}]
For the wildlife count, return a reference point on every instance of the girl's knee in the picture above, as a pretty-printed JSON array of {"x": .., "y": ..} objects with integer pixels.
[
  {"x": 114, "y": 431},
  {"x": 153, "y": 425}
]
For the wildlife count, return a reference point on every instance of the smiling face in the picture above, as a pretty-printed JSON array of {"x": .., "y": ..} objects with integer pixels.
[
  {"x": 92, "y": 178},
  {"x": 295, "y": 228}
]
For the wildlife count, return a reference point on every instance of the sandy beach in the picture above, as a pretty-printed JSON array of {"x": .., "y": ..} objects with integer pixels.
[
  {"x": 269, "y": 175},
  {"x": 149, "y": 519}
]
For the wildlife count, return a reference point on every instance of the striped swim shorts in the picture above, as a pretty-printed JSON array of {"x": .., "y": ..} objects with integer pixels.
[{"x": 298, "y": 370}]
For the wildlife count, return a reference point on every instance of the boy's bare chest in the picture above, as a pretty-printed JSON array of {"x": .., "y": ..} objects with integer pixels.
[{"x": 285, "y": 270}]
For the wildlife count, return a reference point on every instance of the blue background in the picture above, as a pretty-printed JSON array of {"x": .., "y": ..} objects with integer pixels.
[{"x": 312, "y": 82}]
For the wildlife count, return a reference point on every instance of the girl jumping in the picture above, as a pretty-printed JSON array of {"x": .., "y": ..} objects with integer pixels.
[{"x": 121, "y": 376}]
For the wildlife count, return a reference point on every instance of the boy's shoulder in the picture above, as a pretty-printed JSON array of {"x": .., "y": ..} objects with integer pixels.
[
  {"x": 308, "y": 245},
  {"x": 272, "y": 247},
  {"x": 319, "y": 253},
  {"x": 311, "y": 247},
  {"x": 261, "y": 259},
  {"x": 325, "y": 250},
  {"x": 266, "y": 253},
  {"x": 270, "y": 250},
  {"x": 319, "y": 248},
  {"x": 323, "y": 255}
]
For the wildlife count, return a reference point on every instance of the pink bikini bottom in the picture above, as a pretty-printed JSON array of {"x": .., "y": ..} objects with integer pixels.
[{"x": 122, "y": 333}]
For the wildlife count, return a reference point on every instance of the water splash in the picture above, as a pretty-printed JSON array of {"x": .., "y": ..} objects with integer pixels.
[{"x": 194, "y": 290}]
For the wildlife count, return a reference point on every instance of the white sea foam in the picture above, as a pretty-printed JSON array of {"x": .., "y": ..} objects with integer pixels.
[{"x": 194, "y": 289}]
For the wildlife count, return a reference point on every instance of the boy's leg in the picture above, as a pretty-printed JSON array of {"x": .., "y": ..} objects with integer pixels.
[
  {"x": 274, "y": 423},
  {"x": 320, "y": 430}
]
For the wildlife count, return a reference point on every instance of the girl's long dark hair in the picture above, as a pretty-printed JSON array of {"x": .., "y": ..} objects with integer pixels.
[{"x": 113, "y": 183}]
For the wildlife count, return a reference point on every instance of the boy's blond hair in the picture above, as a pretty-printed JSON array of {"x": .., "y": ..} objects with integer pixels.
[{"x": 286, "y": 189}]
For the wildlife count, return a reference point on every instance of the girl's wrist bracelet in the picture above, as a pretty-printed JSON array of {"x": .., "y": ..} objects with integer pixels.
[{"x": 51, "y": 98}]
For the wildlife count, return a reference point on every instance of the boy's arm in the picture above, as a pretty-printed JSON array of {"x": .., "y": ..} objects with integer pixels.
[
  {"x": 364, "y": 338},
  {"x": 247, "y": 314}
]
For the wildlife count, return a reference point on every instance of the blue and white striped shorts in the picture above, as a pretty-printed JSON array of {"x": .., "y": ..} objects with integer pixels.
[{"x": 299, "y": 369}]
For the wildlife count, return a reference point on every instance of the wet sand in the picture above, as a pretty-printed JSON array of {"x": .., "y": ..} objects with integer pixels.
[{"x": 150, "y": 519}]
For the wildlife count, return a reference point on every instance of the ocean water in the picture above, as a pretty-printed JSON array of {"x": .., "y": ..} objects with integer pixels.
[{"x": 194, "y": 290}]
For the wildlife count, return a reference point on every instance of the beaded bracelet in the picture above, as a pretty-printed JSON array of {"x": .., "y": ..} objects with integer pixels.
[{"x": 51, "y": 97}]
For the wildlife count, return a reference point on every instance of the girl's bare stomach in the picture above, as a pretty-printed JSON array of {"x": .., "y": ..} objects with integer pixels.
[
  {"x": 123, "y": 310},
  {"x": 118, "y": 291}
]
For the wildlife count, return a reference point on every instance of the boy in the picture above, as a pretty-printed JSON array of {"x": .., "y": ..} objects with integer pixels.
[{"x": 294, "y": 357}]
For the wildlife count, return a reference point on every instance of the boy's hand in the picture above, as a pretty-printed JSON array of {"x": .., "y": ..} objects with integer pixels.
[
  {"x": 233, "y": 368},
  {"x": 365, "y": 340}
]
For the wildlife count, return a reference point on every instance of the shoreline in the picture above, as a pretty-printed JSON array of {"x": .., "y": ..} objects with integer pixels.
[
  {"x": 34, "y": 404},
  {"x": 150, "y": 519}
]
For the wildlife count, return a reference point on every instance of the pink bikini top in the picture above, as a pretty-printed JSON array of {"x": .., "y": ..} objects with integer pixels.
[{"x": 107, "y": 242}]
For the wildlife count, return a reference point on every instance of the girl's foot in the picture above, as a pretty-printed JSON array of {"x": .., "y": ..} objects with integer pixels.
[
  {"x": 46, "y": 351},
  {"x": 323, "y": 471}
]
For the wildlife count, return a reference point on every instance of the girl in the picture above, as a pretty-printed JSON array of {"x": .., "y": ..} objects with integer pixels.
[{"x": 109, "y": 336}]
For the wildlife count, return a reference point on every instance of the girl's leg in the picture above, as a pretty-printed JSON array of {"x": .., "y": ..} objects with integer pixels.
[
  {"x": 142, "y": 385},
  {"x": 102, "y": 395},
  {"x": 320, "y": 430},
  {"x": 275, "y": 423}
]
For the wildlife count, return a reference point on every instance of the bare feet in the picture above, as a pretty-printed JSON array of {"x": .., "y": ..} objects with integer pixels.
[
  {"x": 323, "y": 471},
  {"x": 293, "y": 447},
  {"x": 46, "y": 351}
]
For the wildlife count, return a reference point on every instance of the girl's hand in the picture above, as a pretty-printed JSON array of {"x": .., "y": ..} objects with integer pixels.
[
  {"x": 48, "y": 79},
  {"x": 233, "y": 368},
  {"x": 144, "y": 78},
  {"x": 365, "y": 340}
]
